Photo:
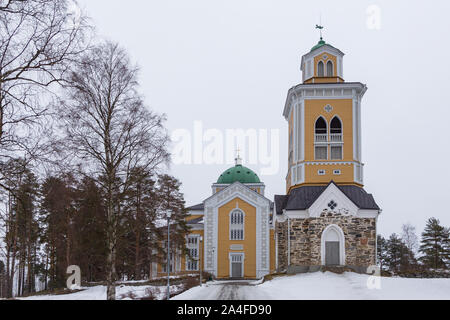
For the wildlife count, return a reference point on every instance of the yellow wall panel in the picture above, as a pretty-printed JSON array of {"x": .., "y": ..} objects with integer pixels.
[
  {"x": 224, "y": 242},
  {"x": 342, "y": 108}
]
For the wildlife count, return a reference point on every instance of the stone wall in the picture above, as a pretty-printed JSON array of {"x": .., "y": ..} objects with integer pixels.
[
  {"x": 282, "y": 234},
  {"x": 306, "y": 239}
]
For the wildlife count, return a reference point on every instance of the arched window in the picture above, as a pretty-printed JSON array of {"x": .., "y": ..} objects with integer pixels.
[
  {"x": 320, "y": 69},
  {"x": 321, "y": 126},
  {"x": 321, "y": 138},
  {"x": 237, "y": 219},
  {"x": 336, "y": 126},
  {"x": 336, "y": 138},
  {"x": 330, "y": 69}
]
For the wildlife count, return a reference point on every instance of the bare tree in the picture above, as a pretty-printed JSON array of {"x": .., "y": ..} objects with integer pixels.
[
  {"x": 110, "y": 133},
  {"x": 39, "y": 39},
  {"x": 410, "y": 238}
]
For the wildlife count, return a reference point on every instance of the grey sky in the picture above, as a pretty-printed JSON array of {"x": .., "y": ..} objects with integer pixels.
[{"x": 230, "y": 64}]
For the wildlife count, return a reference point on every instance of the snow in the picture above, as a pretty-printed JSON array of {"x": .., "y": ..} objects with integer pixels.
[
  {"x": 328, "y": 286},
  {"x": 99, "y": 293},
  {"x": 311, "y": 286}
]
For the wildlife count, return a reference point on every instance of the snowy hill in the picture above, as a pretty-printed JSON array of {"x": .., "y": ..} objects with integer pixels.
[
  {"x": 123, "y": 292},
  {"x": 328, "y": 286},
  {"x": 312, "y": 286}
]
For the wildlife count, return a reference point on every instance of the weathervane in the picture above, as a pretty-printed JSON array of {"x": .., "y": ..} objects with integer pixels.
[
  {"x": 238, "y": 158},
  {"x": 320, "y": 27}
]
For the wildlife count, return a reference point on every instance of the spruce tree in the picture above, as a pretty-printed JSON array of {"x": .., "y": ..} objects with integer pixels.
[
  {"x": 435, "y": 245},
  {"x": 382, "y": 252},
  {"x": 171, "y": 199}
]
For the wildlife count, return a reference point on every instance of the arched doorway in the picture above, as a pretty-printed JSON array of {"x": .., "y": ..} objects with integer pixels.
[{"x": 333, "y": 246}]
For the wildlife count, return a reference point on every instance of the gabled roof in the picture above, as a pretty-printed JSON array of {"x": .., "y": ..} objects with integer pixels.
[
  {"x": 237, "y": 183},
  {"x": 280, "y": 203},
  {"x": 303, "y": 198},
  {"x": 196, "y": 221},
  {"x": 197, "y": 207}
]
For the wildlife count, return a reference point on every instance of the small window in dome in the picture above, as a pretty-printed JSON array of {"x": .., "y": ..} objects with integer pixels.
[{"x": 238, "y": 172}]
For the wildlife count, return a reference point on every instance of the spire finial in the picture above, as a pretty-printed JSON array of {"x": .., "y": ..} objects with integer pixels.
[
  {"x": 238, "y": 157},
  {"x": 320, "y": 27}
]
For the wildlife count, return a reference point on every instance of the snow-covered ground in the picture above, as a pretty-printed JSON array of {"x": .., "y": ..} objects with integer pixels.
[
  {"x": 123, "y": 292},
  {"x": 309, "y": 286},
  {"x": 329, "y": 286}
]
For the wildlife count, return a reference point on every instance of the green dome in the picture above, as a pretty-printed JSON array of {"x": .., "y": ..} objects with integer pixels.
[
  {"x": 238, "y": 173},
  {"x": 319, "y": 45}
]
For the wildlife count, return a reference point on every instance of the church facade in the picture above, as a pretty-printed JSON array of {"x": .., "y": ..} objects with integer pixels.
[
  {"x": 326, "y": 218},
  {"x": 232, "y": 236}
]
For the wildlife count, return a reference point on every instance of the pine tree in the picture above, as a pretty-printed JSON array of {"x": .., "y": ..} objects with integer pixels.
[
  {"x": 140, "y": 209},
  {"x": 171, "y": 199},
  {"x": 399, "y": 258},
  {"x": 89, "y": 241},
  {"x": 382, "y": 256},
  {"x": 435, "y": 245}
]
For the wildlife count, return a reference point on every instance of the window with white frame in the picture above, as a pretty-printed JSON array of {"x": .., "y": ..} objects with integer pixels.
[
  {"x": 328, "y": 140},
  {"x": 336, "y": 152},
  {"x": 321, "y": 152},
  {"x": 192, "y": 260},
  {"x": 336, "y": 130},
  {"x": 321, "y": 69},
  {"x": 237, "y": 219},
  {"x": 330, "y": 69}
]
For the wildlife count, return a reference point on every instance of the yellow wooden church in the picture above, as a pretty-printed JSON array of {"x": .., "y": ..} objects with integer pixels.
[
  {"x": 326, "y": 217},
  {"x": 231, "y": 232}
]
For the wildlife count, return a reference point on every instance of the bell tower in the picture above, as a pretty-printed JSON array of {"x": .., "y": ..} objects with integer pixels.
[{"x": 324, "y": 116}]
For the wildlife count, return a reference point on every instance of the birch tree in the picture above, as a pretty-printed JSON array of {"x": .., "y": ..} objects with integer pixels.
[
  {"x": 108, "y": 133},
  {"x": 39, "y": 39}
]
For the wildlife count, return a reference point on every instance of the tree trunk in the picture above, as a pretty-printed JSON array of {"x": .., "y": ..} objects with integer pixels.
[
  {"x": 111, "y": 258},
  {"x": 111, "y": 277},
  {"x": 137, "y": 263}
]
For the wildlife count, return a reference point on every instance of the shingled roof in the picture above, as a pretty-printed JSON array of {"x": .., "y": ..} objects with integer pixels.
[
  {"x": 197, "y": 207},
  {"x": 196, "y": 221},
  {"x": 303, "y": 198}
]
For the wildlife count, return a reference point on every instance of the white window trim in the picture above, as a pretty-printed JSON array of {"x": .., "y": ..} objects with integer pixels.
[
  {"x": 188, "y": 258},
  {"x": 324, "y": 69},
  {"x": 243, "y": 225},
  {"x": 332, "y": 69},
  {"x": 341, "y": 244},
  {"x": 315, "y": 152},
  {"x": 242, "y": 254},
  {"x": 342, "y": 153}
]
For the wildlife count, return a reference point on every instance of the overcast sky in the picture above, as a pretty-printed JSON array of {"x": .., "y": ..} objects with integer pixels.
[{"x": 231, "y": 63}]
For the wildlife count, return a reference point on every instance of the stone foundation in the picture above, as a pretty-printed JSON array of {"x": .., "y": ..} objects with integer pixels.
[{"x": 306, "y": 238}]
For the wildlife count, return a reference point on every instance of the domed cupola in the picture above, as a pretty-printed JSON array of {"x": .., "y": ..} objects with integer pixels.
[
  {"x": 238, "y": 173},
  {"x": 241, "y": 174}
]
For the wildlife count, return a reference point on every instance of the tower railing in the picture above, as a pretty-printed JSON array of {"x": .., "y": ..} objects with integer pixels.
[
  {"x": 336, "y": 137},
  {"x": 321, "y": 137}
]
